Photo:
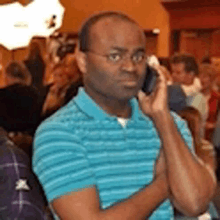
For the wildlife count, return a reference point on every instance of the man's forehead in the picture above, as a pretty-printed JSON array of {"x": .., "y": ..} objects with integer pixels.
[
  {"x": 109, "y": 21},
  {"x": 111, "y": 28}
]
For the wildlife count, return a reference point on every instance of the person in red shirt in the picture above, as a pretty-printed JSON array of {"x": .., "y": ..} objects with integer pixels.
[{"x": 207, "y": 75}]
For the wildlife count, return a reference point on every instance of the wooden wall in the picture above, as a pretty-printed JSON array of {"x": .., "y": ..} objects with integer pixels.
[
  {"x": 149, "y": 14},
  {"x": 200, "y": 42},
  {"x": 201, "y": 18},
  {"x": 194, "y": 26}
]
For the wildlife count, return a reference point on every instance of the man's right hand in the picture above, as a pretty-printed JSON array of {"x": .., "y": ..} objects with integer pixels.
[{"x": 156, "y": 103}]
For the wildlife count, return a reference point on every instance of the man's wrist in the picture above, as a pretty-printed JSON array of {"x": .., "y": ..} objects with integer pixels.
[
  {"x": 161, "y": 183},
  {"x": 161, "y": 116}
]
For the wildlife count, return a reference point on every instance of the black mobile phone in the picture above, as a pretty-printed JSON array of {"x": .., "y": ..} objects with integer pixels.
[{"x": 150, "y": 80}]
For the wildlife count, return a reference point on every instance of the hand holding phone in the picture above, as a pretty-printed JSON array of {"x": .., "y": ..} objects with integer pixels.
[
  {"x": 150, "y": 80},
  {"x": 154, "y": 104}
]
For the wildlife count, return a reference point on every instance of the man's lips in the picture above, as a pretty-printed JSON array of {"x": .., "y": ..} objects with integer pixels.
[
  {"x": 131, "y": 81},
  {"x": 129, "y": 78}
]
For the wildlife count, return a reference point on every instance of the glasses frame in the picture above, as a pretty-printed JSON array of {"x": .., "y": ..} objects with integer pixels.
[{"x": 123, "y": 55}]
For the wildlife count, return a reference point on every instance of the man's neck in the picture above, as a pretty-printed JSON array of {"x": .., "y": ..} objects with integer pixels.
[{"x": 119, "y": 108}]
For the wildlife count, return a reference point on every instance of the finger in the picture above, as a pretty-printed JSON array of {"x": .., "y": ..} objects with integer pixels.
[
  {"x": 142, "y": 97},
  {"x": 144, "y": 101},
  {"x": 159, "y": 70},
  {"x": 161, "y": 83},
  {"x": 162, "y": 76}
]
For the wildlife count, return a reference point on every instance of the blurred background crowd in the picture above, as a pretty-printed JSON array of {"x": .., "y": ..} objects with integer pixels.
[
  {"x": 37, "y": 81},
  {"x": 33, "y": 89}
]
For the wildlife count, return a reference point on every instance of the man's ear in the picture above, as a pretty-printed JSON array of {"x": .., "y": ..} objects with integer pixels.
[{"x": 81, "y": 60}]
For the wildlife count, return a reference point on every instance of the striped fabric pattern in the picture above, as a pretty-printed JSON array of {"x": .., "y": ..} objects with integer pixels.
[{"x": 81, "y": 146}]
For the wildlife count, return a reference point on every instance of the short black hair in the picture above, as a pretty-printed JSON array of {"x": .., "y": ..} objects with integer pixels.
[
  {"x": 17, "y": 70},
  {"x": 84, "y": 33},
  {"x": 188, "y": 60},
  {"x": 206, "y": 59}
]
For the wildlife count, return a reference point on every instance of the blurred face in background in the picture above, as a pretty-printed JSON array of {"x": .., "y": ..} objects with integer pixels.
[
  {"x": 65, "y": 73},
  {"x": 205, "y": 80},
  {"x": 179, "y": 75},
  {"x": 59, "y": 77},
  {"x": 207, "y": 76}
]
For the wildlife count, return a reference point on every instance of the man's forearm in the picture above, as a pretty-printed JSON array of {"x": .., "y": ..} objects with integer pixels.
[
  {"x": 140, "y": 205},
  {"x": 190, "y": 182},
  {"x": 85, "y": 204}
]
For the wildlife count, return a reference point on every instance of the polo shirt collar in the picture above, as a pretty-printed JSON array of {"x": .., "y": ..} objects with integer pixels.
[{"x": 92, "y": 109}]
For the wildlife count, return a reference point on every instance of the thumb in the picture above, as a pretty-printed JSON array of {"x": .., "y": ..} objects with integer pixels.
[{"x": 141, "y": 95}]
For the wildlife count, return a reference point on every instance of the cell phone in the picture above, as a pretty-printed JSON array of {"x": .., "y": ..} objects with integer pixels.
[{"x": 150, "y": 80}]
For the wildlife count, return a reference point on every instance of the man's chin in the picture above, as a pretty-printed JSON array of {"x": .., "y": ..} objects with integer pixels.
[{"x": 127, "y": 95}]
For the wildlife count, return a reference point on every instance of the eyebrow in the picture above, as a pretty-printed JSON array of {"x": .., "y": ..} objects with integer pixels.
[{"x": 123, "y": 50}]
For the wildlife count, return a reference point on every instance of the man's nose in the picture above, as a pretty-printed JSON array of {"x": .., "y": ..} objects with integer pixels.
[{"x": 128, "y": 65}]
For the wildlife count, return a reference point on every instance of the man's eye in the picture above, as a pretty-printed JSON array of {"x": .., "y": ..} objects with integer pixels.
[
  {"x": 139, "y": 58},
  {"x": 114, "y": 57}
]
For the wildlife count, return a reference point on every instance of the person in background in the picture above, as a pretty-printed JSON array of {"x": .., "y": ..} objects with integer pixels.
[
  {"x": 22, "y": 197},
  {"x": 185, "y": 70},
  {"x": 76, "y": 79},
  {"x": 176, "y": 96},
  {"x": 212, "y": 61},
  {"x": 62, "y": 86},
  {"x": 107, "y": 155},
  {"x": 16, "y": 73},
  {"x": 20, "y": 108},
  {"x": 203, "y": 149},
  {"x": 59, "y": 83},
  {"x": 35, "y": 64},
  {"x": 207, "y": 76}
]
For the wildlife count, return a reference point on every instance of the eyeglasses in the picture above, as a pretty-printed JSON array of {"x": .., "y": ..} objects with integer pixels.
[{"x": 120, "y": 57}]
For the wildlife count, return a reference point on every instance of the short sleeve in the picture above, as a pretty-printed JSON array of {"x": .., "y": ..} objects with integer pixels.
[{"x": 60, "y": 161}]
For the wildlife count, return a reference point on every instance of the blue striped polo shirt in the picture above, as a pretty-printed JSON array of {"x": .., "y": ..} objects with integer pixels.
[{"x": 82, "y": 146}]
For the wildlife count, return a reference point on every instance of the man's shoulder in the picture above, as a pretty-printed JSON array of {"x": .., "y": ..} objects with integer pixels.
[
  {"x": 68, "y": 114},
  {"x": 63, "y": 123}
]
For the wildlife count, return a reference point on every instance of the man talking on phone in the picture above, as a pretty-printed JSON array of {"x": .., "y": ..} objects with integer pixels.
[{"x": 107, "y": 156}]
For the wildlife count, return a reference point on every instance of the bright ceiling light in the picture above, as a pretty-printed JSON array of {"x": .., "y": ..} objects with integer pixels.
[{"x": 39, "y": 18}]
